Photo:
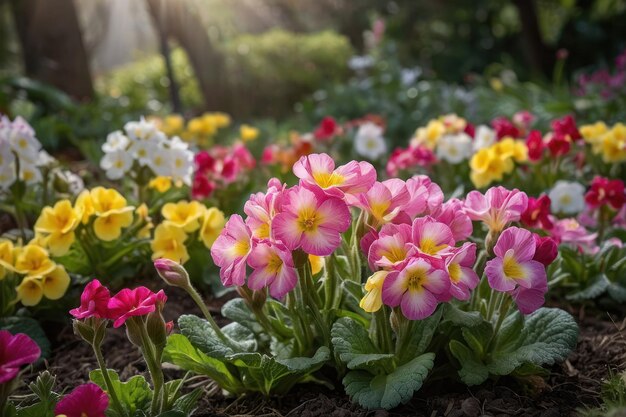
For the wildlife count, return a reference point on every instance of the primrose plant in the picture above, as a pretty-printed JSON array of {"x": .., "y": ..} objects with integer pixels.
[{"x": 376, "y": 279}]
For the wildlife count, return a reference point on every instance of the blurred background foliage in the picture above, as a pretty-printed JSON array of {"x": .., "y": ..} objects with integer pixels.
[{"x": 289, "y": 63}]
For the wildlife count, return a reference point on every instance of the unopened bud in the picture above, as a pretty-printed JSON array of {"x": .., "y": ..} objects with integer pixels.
[
  {"x": 394, "y": 322},
  {"x": 133, "y": 331},
  {"x": 84, "y": 330},
  {"x": 157, "y": 329},
  {"x": 173, "y": 273}
]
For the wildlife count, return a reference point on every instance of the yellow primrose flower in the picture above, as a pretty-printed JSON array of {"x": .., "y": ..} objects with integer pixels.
[
  {"x": 317, "y": 263},
  {"x": 212, "y": 224},
  {"x": 84, "y": 206},
  {"x": 161, "y": 184},
  {"x": 33, "y": 260},
  {"x": 172, "y": 124},
  {"x": 6, "y": 257},
  {"x": 248, "y": 133},
  {"x": 429, "y": 135},
  {"x": 55, "y": 283},
  {"x": 220, "y": 119},
  {"x": 183, "y": 214},
  {"x": 30, "y": 291},
  {"x": 57, "y": 225},
  {"x": 592, "y": 134},
  {"x": 487, "y": 166},
  {"x": 112, "y": 213},
  {"x": 373, "y": 300},
  {"x": 169, "y": 243},
  {"x": 200, "y": 126},
  {"x": 613, "y": 144}
]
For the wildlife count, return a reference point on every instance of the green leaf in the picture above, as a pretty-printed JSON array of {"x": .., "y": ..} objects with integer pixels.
[
  {"x": 186, "y": 403},
  {"x": 354, "y": 346},
  {"x": 173, "y": 413},
  {"x": 243, "y": 335},
  {"x": 478, "y": 337},
  {"x": 388, "y": 390},
  {"x": 134, "y": 394},
  {"x": 237, "y": 311},
  {"x": 459, "y": 317},
  {"x": 276, "y": 376},
  {"x": 422, "y": 332},
  {"x": 201, "y": 335},
  {"x": 31, "y": 328},
  {"x": 617, "y": 292},
  {"x": 597, "y": 287},
  {"x": 182, "y": 353},
  {"x": 549, "y": 335},
  {"x": 473, "y": 371}
]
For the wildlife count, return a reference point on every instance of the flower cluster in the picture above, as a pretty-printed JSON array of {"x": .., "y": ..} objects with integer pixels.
[
  {"x": 180, "y": 220},
  {"x": 20, "y": 153},
  {"x": 492, "y": 163},
  {"x": 219, "y": 167},
  {"x": 142, "y": 147},
  {"x": 610, "y": 143},
  {"x": 32, "y": 273}
]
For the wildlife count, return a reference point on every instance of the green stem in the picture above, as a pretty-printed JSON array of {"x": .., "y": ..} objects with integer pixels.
[
  {"x": 330, "y": 282},
  {"x": 503, "y": 311},
  {"x": 153, "y": 360},
  {"x": 207, "y": 314},
  {"x": 107, "y": 381}
]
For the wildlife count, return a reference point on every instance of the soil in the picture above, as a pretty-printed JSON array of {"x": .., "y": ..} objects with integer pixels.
[{"x": 571, "y": 386}]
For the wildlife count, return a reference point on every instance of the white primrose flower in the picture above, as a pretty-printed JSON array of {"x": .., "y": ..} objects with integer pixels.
[
  {"x": 143, "y": 131},
  {"x": 7, "y": 176},
  {"x": 177, "y": 143},
  {"x": 369, "y": 141},
  {"x": 160, "y": 162},
  {"x": 567, "y": 197},
  {"x": 29, "y": 173},
  {"x": 142, "y": 151},
  {"x": 25, "y": 145},
  {"x": 44, "y": 159},
  {"x": 454, "y": 148},
  {"x": 115, "y": 141},
  {"x": 7, "y": 157},
  {"x": 484, "y": 137},
  {"x": 182, "y": 165},
  {"x": 116, "y": 163}
]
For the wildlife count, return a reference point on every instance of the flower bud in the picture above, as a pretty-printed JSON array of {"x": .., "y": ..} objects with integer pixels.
[
  {"x": 394, "y": 321},
  {"x": 173, "y": 273},
  {"x": 259, "y": 297},
  {"x": 84, "y": 330},
  {"x": 157, "y": 329},
  {"x": 133, "y": 331}
]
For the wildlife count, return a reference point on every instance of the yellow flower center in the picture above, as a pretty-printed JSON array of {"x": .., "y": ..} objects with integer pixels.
[
  {"x": 241, "y": 247},
  {"x": 379, "y": 209},
  {"x": 512, "y": 269},
  {"x": 455, "y": 272},
  {"x": 308, "y": 221},
  {"x": 328, "y": 179},
  {"x": 430, "y": 247},
  {"x": 22, "y": 143},
  {"x": 416, "y": 279},
  {"x": 275, "y": 264},
  {"x": 395, "y": 253}
]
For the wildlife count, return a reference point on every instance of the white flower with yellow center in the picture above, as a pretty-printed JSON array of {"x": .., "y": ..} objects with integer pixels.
[
  {"x": 369, "y": 141},
  {"x": 484, "y": 137},
  {"x": 25, "y": 145},
  {"x": 454, "y": 148},
  {"x": 143, "y": 131},
  {"x": 160, "y": 162},
  {"x": 7, "y": 176},
  {"x": 567, "y": 197},
  {"x": 143, "y": 152},
  {"x": 115, "y": 141},
  {"x": 29, "y": 173},
  {"x": 177, "y": 143},
  {"x": 116, "y": 163},
  {"x": 182, "y": 165}
]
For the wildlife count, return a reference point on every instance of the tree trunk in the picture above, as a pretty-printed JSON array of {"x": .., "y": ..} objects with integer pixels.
[
  {"x": 52, "y": 45},
  {"x": 180, "y": 23},
  {"x": 540, "y": 57}
]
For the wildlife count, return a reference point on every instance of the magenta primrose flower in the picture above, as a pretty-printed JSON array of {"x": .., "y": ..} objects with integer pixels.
[
  {"x": 311, "y": 221},
  {"x": 15, "y": 351},
  {"x": 497, "y": 208},
  {"x": 392, "y": 246},
  {"x": 231, "y": 249},
  {"x": 417, "y": 287},
  {"x": 93, "y": 302},
  {"x": 386, "y": 201},
  {"x": 87, "y": 400},
  {"x": 262, "y": 207},
  {"x": 318, "y": 170},
  {"x": 431, "y": 236},
  {"x": 136, "y": 302},
  {"x": 425, "y": 196},
  {"x": 452, "y": 213},
  {"x": 273, "y": 267},
  {"x": 463, "y": 278},
  {"x": 514, "y": 270}
]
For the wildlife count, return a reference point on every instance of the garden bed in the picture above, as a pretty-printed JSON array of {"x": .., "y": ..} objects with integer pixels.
[{"x": 575, "y": 384}]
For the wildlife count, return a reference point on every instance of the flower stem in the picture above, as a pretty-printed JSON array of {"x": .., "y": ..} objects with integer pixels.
[
  {"x": 107, "y": 381},
  {"x": 207, "y": 314}
]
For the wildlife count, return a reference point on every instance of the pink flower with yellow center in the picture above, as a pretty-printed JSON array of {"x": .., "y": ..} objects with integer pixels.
[
  {"x": 311, "y": 221},
  {"x": 273, "y": 267},
  {"x": 430, "y": 236},
  {"x": 426, "y": 196},
  {"x": 453, "y": 214},
  {"x": 230, "y": 251},
  {"x": 392, "y": 246},
  {"x": 417, "y": 287},
  {"x": 385, "y": 202},
  {"x": 261, "y": 209},
  {"x": 463, "y": 278},
  {"x": 497, "y": 208},
  {"x": 318, "y": 170},
  {"x": 514, "y": 270}
]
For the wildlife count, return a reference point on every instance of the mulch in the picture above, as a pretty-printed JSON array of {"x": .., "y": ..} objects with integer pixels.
[{"x": 574, "y": 385}]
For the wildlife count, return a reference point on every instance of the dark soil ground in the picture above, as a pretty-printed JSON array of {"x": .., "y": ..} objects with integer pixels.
[{"x": 573, "y": 385}]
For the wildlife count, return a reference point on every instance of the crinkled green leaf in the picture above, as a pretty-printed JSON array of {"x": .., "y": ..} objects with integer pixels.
[
  {"x": 617, "y": 292},
  {"x": 201, "y": 335},
  {"x": 243, "y": 335},
  {"x": 478, "y": 337},
  {"x": 237, "y": 311},
  {"x": 549, "y": 335},
  {"x": 180, "y": 351},
  {"x": 473, "y": 371},
  {"x": 388, "y": 390},
  {"x": 354, "y": 346},
  {"x": 596, "y": 288},
  {"x": 134, "y": 394},
  {"x": 457, "y": 316},
  {"x": 276, "y": 376},
  {"x": 422, "y": 332},
  {"x": 187, "y": 403}
]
